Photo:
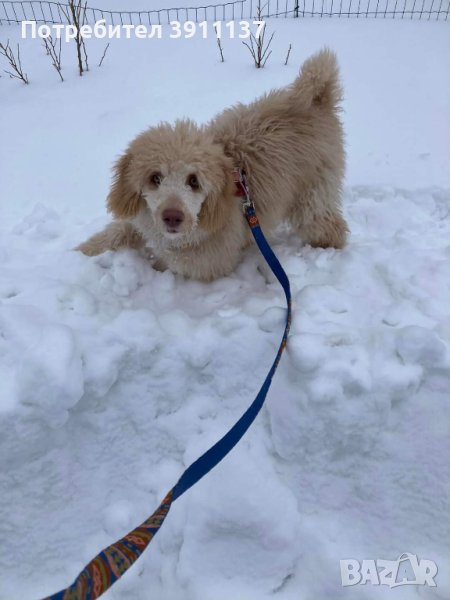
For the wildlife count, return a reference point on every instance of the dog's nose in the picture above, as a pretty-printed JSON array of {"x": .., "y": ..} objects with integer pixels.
[{"x": 172, "y": 217}]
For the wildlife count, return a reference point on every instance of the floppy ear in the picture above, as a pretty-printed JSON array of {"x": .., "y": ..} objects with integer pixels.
[
  {"x": 218, "y": 205},
  {"x": 123, "y": 201}
]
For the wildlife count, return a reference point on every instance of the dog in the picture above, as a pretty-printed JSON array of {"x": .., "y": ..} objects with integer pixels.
[{"x": 173, "y": 191}]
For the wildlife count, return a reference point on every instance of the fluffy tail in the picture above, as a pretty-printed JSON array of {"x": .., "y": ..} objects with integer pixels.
[{"x": 318, "y": 81}]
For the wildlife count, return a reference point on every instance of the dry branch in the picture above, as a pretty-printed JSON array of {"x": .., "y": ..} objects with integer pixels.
[
  {"x": 288, "y": 53},
  {"x": 219, "y": 43},
  {"x": 104, "y": 54}
]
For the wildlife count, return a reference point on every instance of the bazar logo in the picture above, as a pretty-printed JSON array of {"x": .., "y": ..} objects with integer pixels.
[{"x": 406, "y": 570}]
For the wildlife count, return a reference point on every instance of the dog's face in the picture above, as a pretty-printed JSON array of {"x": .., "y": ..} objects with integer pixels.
[
  {"x": 174, "y": 195},
  {"x": 176, "y": 175}
]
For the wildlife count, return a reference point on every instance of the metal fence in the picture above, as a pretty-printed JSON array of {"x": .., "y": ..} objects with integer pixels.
[{"x": 44, "y": 11}]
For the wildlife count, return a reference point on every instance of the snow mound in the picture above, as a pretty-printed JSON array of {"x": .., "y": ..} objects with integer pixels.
[{"x": 120, "y": 376}]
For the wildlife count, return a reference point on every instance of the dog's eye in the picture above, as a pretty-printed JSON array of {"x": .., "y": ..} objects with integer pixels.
[
  {"x": 156, "y": 179},
  {"x": 192, "y": 182}
]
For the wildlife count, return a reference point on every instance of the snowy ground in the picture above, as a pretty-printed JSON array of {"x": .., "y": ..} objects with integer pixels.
[{"x": 113, "y": 377}]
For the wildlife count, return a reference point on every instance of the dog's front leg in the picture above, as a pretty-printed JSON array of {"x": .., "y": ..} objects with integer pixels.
[{"x": 118, "y": 234}]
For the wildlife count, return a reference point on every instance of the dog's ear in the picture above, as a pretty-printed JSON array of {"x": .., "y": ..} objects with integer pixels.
[
  {"x": 123, "y": 201},
  {"x": 218, "y": 205}
]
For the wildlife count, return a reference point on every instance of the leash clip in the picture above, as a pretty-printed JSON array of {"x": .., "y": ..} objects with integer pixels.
[{"x": 242, "y": 190}]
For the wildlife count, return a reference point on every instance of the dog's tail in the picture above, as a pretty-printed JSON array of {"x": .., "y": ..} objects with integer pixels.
[{"x": 318, "y": 81}]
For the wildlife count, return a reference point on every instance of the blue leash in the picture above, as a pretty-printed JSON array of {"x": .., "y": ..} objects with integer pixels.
[{"x": 112, "y": 562}]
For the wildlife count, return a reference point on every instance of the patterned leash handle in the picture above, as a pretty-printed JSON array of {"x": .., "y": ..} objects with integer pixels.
[{"x": 112, "y": 562}]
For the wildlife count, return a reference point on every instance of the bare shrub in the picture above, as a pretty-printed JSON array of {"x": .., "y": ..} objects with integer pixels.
[
  {"x": 75, "y": 13},
  {"x": 259, "y": 47},
  {"x": 53, "y": 49},
  {"x": 14, "y": 62}
]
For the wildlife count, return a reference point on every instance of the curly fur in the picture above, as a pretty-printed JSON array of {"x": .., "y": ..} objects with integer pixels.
[{"x": 290, "y": 143}]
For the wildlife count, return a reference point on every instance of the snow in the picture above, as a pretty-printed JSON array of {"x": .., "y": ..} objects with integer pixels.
[{"x": 113, "y": 377}]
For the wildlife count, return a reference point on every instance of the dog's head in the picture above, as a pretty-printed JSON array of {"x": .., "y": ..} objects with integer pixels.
[{"x": 179, "y": 176}]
